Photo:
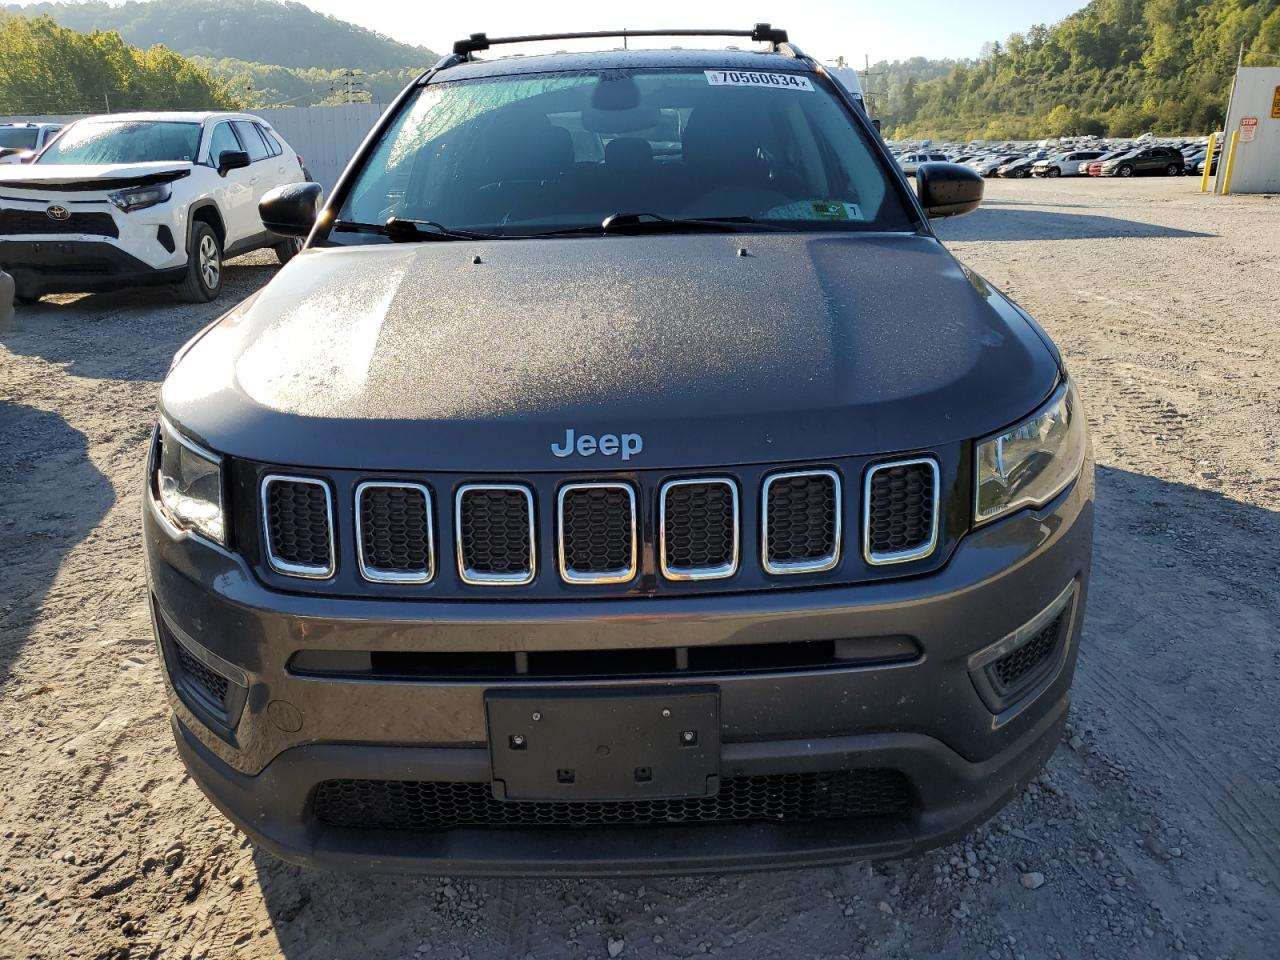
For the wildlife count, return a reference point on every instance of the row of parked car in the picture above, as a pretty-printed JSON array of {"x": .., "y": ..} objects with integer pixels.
[{"x": 1096, "y": 159}]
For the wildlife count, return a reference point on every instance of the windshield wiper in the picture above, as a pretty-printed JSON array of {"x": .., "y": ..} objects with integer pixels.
[
  {"x": 634, "y": 223},
  {"x": 402, "y": 230}
]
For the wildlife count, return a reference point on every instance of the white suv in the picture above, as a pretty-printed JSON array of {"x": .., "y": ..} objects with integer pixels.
[
  {"x": 19, "y": 142},
  {"x": 154, "y": 198}
]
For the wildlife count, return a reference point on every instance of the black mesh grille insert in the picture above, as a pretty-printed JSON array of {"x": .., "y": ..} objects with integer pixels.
[
  {"x": 900, "y": 508},
  {"x": 212, "y": 685},
  {"x": 787, "y": 798},
  {"x": 493, "y": 532},
  {"x": 597, "y": 530},
  {"x": 801, "y": 515},
  {"x": 29, "y": 222},
  {"x": 1024, "y": 664},
  {"x": 298, "y": 524},
  {"x": 395, "y": 532},
  {"x": 699, "y": 526}
]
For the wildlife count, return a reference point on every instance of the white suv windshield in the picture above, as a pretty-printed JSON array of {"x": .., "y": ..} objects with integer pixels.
[
  {"x": 19, "y": 138},
  {"x": 519, "y": 155},
  {"x": 124, "y": 141}
]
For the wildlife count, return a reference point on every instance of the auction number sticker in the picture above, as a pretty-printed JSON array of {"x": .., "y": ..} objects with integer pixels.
[{"x": 740, "y": 78}]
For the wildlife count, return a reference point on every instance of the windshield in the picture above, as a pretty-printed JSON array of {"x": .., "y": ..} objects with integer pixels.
[
  {"x": 521, "y": 155},
  {"x": 124, "y": 141},
  {"x": 19, "y": 138}
]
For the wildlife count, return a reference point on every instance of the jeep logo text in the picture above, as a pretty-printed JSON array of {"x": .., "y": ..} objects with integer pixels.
[{"x": 607, "y": 444}]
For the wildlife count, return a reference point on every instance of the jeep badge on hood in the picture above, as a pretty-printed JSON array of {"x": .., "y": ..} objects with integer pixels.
[{"x": 608, "y": 444}]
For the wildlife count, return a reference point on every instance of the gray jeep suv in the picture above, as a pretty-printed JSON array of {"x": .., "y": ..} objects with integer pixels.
[{"x": 624, "y": 479}]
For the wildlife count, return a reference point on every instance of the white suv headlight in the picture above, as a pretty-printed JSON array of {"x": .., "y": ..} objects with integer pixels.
[
  {"x": 1030, "y": 464},
  {"x": 139, "y": 198},
  {"x": 189, "y": 481}
]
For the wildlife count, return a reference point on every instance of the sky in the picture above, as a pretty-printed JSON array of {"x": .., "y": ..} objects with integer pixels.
[{"x": 884, "y": 30}]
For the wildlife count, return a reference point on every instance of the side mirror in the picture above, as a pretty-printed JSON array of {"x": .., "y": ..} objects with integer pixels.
[
  {"x": 948, "y": 189},
  {"x": 231, "y": 160},
  {"x": 291, "y": 210}
]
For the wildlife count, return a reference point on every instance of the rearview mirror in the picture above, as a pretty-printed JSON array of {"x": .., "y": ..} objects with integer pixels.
[
  {"x": 948, "y": 189},
  {"x": 231, "y": 160},
  {"x": 291, "y": 210}
]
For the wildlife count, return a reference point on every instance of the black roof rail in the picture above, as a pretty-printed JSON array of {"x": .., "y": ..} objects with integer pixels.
[{"x": 760, "y": 33}]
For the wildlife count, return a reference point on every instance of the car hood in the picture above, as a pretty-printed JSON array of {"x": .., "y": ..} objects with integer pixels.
[
  {"x": 715, "y": 349},
  {"x": 91, "y": 176}
]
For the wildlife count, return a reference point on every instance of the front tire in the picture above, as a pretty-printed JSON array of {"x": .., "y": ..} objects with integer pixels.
[
  {"x": 288, "y": 249},
  {"x": 1054, "y": 172},
  {"x": 204, "y": 266},
  {"x": 1019, "y": 174},
  {"x": 1171, "y": 170},
  {"x": 1125, "y": 171}
]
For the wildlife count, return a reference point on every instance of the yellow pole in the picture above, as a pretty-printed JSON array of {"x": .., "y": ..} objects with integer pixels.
[
  {"x": 1208, "y": 162},
  {"x": 1231, "y": 163}
]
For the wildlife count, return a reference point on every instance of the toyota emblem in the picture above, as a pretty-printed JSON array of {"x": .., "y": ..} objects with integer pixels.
[{"x": 57, "y": 212}]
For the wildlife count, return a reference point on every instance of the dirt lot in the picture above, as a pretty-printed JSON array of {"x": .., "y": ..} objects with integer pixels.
[{"x": 1154, "y": 833}]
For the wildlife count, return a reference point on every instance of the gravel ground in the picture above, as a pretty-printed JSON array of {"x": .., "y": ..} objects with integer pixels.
[{"x": 1155, "y": 831}]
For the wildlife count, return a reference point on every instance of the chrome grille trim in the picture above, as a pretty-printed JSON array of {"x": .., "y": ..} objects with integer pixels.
[
  {"x": 899, "y": 556},
  {"x": 800, "y": 566},
  {"x": 607, "y": 576},
  {"x": 698, "y": 573},
  {"x": 304, "y": 570},
  {"x": 479, "y": 578},
  {"x": 375, "y": 574}
]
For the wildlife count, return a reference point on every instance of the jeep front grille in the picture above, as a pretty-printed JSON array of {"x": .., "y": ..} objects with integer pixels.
[
  {"x": 801, "y": 521},
  {"x": 900, "y": 505},
  {"x": 495, "y": 535},
  {"x": 39, "y": 223},
  {"x": 597, "y": 523},
  {"x": 394, "y": 532},
  {"x": 698, "y": 529},
  {"x": 423, "y": 805},
  {"x": 298, "y": 520}
]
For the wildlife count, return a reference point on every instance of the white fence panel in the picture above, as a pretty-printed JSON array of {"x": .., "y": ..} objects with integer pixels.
[{"x": 1255, "y": 98}]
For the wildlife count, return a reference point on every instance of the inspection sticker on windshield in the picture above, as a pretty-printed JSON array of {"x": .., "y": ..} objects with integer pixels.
[{"x": 739, "y": 78}]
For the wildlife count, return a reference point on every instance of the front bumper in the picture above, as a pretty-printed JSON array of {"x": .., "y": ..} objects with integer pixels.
[{"x": 925, "y": 718}]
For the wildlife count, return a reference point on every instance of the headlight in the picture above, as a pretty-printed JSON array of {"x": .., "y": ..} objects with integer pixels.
[
  {"x": 138, "y": 198},
  {"x": 189, "y": 481},
  {"x": 1030, "y": 464}
]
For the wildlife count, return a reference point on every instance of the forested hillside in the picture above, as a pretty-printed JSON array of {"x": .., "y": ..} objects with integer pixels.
[
  {"x": 258, "y": 31},
  {"x": 48, "y": 69},
  {"x": 1117, "y": 67}
]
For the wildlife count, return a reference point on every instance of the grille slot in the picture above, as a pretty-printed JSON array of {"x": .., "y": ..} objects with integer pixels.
[
  {"x": 900, "y": 506},
  {"x": 1022, "y": 666},
  {"x": 801, "y": 521},
  {"x": 298, "y": 522},
  {"x": 699, "y": 529},
  {"x": 39, "y": 223},
  {"x": 394, "y": 532},
  {"x": 494, "y": 534},
  {"x": 213, "y": 686},
  {"x": 597, "y": 523},
  {"x": 776, "y": 798}
]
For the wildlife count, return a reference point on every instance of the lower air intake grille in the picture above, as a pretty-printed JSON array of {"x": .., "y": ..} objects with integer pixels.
[
  {"x": 597, "y": 533},
  {"x": 495, "y": 534},
  {"x": 900, "y": 522},
  {"x": 786, "y": 798},
  {"x": 1025, "y": 663},
  {"x": 299, "y": 529},
  {"x": 395, "y": 532},
  {"x": 210, "y": 684},
  {"x": 802, "y": 521},
  {"x": 699, "y": 529}
]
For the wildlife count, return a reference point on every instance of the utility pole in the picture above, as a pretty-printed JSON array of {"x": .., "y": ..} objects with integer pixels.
[
  {"x": 350, "y": 84},
  {"x": 106, "y": 100},
  {"x": 871, "y": 98}
]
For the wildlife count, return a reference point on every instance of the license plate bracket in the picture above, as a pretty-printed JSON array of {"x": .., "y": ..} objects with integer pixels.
[{"x": 593, "y": 744}]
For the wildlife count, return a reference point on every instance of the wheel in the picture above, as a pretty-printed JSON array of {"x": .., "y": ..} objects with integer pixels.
[
  {"x": 1054, "y": 172},
  {"x": 288, "y": 249},
  {"x": 1125, "y": 171},
  {"x": 1171, "y": 170},
  {"x": 204, "y": 267},
  {"x": 1020, "y": 173}
]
